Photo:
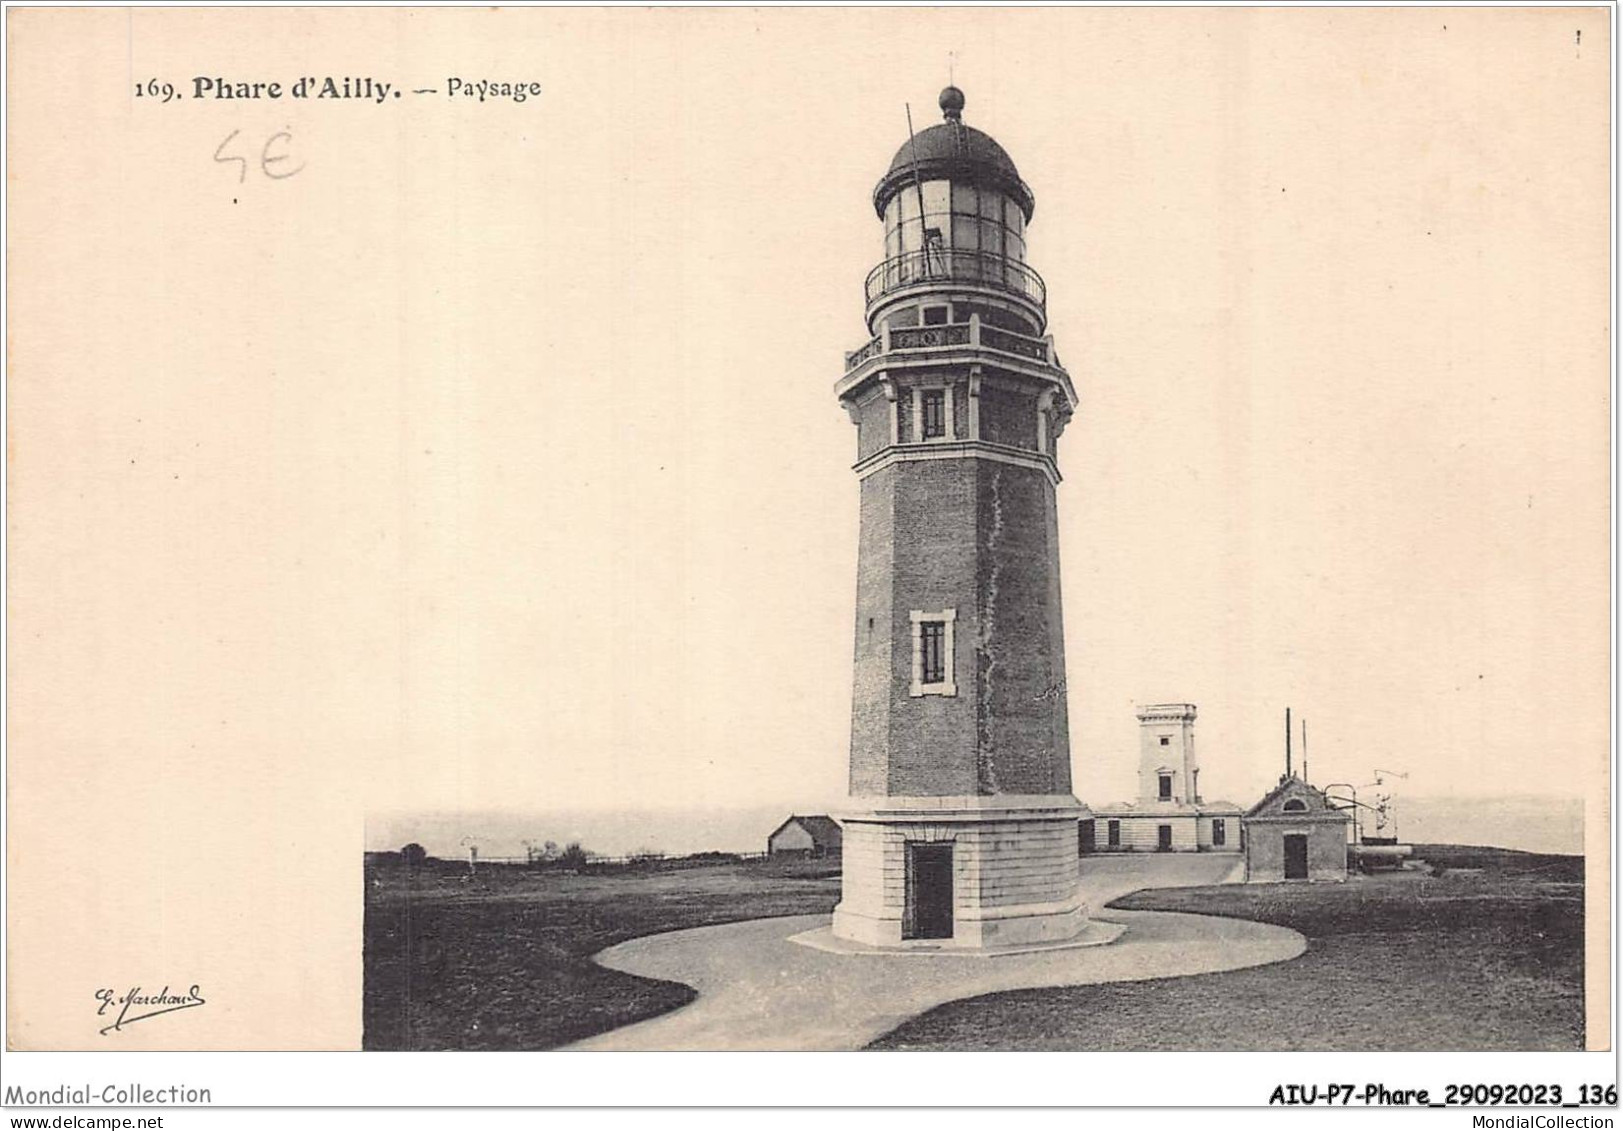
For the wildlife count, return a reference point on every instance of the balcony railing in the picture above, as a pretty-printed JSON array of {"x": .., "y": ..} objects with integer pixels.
[
  {"x": 857, "y": 357},
  {"x": 1010, "y": 342},
  {"x": 973, "y": 333},
  {"x": 929, "y": 337},
  {"x": 946, "y": 265}
]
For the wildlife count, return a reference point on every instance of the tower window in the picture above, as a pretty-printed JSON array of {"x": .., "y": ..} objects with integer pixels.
[
  {"x": 933, "y": 409},
  {"x": 1165, "y": 741},
  {"x": 936, "y": 315},
  {"x": 932, "y": 638},
  {"x": 931, "y": 414},
  {"x": 932, "y": 653},
  {"x": 1166, "y": 787}
]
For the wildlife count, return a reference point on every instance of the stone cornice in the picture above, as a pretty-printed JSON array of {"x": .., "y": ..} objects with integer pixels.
[
  {"x": 953, "y": 357},
  {"x": 958, "y": 449},
  {"x": 1167, "y": 712},
  {"x": 996, "y": 807}
]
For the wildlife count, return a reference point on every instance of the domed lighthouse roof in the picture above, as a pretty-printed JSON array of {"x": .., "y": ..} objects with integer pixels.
[{"x": 956, "y": 152}]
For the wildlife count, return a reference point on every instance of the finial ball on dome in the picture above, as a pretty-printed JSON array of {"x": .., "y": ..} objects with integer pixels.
[{"x": 952, "y": 103}]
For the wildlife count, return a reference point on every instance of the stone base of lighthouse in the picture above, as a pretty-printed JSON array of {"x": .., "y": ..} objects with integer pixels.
[{"x": 960, "y": 872}]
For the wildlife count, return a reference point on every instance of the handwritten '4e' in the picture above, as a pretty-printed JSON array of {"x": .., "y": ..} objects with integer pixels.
[{"x": 273, "y": 157}]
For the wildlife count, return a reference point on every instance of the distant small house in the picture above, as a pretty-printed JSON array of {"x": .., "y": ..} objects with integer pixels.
[
  {"x": 816, "y": 835},
  {"x": 1295, "y": 834}
]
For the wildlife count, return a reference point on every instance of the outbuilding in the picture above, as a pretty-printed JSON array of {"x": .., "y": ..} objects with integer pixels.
[
  {"x": 1294, "y": 833},
  {"x": 1169, "y": 814},
  {"x": 813, "y": 835}
]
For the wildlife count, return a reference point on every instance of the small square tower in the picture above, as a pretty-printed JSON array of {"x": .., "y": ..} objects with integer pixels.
[
  {"x": 1168, "y": 770},
  {"x": 1169, "y": 814}
]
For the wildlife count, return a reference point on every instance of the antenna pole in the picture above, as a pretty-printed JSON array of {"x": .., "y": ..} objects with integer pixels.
[
  {"x": 1287, "y": 742},
  {"x": 913, "y": 148},
  {"x": 1304, "y": 749},
  {"x": 927, "y": 246}
]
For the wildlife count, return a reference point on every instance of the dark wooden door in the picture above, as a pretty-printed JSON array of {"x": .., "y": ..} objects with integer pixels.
[
  {"x": 1086, "y": 835},
  {"x": 1164, "y": 838},
  {"x": 1296, "y": 857},
  {"x": 929, "y": 892}
]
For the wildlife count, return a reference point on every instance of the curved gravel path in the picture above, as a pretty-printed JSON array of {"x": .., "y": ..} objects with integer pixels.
[{"x": 758, "y": 990}]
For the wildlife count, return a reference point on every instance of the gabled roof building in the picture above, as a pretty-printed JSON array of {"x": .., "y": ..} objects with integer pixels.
[
  {"x": 811, "y": 835},
  {"x": 1294, "y": 833}
]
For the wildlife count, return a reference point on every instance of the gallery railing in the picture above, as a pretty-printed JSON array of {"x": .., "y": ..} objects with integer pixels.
[
  {"x": 948, "y": 265},
  {"x": 974, "y": 333}
]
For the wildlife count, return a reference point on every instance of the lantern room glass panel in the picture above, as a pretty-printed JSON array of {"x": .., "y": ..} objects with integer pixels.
[
  {"x": 981, "y": 229},
  {"x": 992, "y": 238},
  {"x": 937, "y": 208}
]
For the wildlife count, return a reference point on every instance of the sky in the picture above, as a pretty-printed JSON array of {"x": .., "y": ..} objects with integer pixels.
[
  {"x": 1331, "y": 288},
  {"x": 498, "y": 465}
]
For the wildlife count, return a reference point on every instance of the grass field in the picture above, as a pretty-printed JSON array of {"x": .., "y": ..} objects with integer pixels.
[
  {"x": 1488, "y": 954},
  {"x": 501, "y": 961}
]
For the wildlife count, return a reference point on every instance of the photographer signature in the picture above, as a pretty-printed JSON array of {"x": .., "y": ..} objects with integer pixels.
[{"x": 148, "y": 1005}]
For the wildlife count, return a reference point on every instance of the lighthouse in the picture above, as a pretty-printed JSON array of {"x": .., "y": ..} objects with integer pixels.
[{"x": 961, "y": 829}]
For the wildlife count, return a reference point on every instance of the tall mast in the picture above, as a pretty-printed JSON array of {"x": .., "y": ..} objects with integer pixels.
[
  {"x": 918, "y": 185},
  {"x": 1287, "y": 742},
  {"x": 926, "y": 244}
]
